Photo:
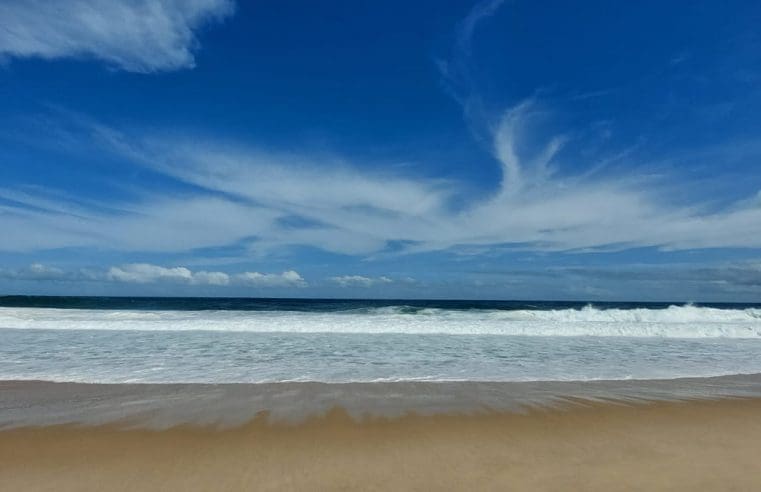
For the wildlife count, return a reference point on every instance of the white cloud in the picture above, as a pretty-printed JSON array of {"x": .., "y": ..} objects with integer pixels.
[
  {"x": 347, "y": 211},
  {"x": 158, "y": 223},
  {"x": 40, "y": 271},
  {"x": 133, "y": 35},
  {"x": 360, "y": 281},
  {"x": 147, "y": 273},
  {"x": 267, "y": 201},
  {"x": 35, "y": 271},
  {"x": 211, "y": 278},
  {"x": 288, "y": 278},
  {"x": 142, "y": 273}
]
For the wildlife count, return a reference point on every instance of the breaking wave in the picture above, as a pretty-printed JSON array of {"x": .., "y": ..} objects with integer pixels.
[{"x": 685, "y": 321}]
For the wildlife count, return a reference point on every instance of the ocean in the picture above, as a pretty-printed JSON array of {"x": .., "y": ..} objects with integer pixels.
[{"x": 218, "y": 340}]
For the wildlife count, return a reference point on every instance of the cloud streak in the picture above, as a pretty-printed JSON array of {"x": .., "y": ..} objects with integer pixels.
[
  {"x": 268, "y": 201},
  {"x": 456, "y": 72},
  {"x": 136, "y": 36}
]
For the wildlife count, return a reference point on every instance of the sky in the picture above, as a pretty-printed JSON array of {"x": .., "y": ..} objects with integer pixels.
[{"x": 494, "y": 150}]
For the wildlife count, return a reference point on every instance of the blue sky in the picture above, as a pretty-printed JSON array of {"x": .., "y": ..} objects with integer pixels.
[{"x": 519, "y": 150}]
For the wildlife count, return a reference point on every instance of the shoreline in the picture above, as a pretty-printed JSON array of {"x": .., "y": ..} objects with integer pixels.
[
  {"x": 165, "y": 405},
  {"x": 706, "y": 444}
]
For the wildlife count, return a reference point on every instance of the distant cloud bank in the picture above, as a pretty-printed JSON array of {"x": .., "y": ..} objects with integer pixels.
[{"x": 146, "y": 273}]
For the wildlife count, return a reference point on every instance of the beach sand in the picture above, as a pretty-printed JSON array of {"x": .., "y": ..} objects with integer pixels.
[{"x": 695, "y": 445}]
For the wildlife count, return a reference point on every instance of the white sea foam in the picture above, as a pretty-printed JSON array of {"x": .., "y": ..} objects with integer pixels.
[
  {"x": 672, "y": 322},
  {"x": 407, "y": 343}
]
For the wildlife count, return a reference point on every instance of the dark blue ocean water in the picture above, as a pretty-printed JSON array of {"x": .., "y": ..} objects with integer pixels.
[{"x": 320, "y": 305}]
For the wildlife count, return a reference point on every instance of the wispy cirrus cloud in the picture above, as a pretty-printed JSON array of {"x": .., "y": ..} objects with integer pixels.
[
  {"x": 267, "y": 201},
  {"x": 456, "y": 71},
  {"x": 42, "y": 219},
  {"x": 132, "y": 35}
]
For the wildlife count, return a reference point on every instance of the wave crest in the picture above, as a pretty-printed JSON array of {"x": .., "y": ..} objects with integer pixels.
[{"x": 672, "y": 322}]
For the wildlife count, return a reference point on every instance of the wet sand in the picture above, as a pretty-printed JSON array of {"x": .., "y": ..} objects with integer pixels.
[
  {"x": 160, "y": 406},
  {"x": 581, "y": 445}
]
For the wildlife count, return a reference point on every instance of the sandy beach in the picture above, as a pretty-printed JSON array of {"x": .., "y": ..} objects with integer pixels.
[{"x": 692, "y": 445}]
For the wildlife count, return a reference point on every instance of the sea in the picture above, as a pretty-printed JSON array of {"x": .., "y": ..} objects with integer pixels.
[{"x": 236, "y": 340}]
